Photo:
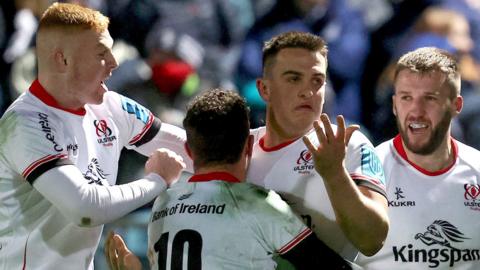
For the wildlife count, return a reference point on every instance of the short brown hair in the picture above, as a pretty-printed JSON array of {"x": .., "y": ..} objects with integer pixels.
[
  {"x": 64, "y": 15},
  {"x": 428, "y": 59},
  {"x": 285, "y": 40},
  {"x": 217, "y": 127}
]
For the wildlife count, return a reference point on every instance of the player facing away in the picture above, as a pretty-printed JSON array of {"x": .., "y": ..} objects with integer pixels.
[
  {"x": 216, "y": 220},
  {"x": 332, "y": 178},
  {"x": 432, "y": 179},
  {"x": 60, "y": 144}
]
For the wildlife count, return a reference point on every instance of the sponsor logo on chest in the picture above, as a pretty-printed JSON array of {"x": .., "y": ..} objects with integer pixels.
[
  {"x": 104, "y": 133},
  {"x": 304, "y": 164},
  {"x": 400, "y": 199},
  {"x": 47, "y": 130},
  {"x": 437, "y": 247}
]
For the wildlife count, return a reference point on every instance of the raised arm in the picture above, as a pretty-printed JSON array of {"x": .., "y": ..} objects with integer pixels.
[{"x": 360, "y": 211}]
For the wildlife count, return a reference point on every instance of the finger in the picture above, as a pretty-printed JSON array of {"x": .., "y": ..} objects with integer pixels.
[
  {"x": 327, "y": 126},
  {"x": 349, "y": 132},
  {"x": 341, "y": 128},
  {"x": 309, "y": 144},
  {"x": 322, "y": 138},
  {"x": 112, "y": 256},
  {"x": 105, "y": 247},
  {"x": 121, "y": 247}
]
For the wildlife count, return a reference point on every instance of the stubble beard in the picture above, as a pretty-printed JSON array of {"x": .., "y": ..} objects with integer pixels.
[{"x": 436, "y": 138}]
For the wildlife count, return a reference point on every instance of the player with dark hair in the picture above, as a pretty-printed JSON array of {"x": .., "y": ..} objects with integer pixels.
[{"x": 227, "y": 223}]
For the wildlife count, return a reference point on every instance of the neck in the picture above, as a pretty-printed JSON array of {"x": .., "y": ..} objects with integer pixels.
[
  {"x": 440, "y": 159},
  {"x": 57, "y": 88},
  {"x": 276, "y": 135},
  {"x": 233, "y": 169}
]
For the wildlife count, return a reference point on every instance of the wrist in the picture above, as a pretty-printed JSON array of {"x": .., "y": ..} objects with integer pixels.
[{"x": 154, "y": 177}]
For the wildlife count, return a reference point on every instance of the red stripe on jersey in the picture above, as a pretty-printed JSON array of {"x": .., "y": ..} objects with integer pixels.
[
  {"x": 295, "y": 241},
  {"x": 39, "y": 92},
  {"x": 39, "y": 162},
  {"x": 397, "y": 143},
  {"x": 273, "y": 148},
  {"x": 367, "y": 178},
  {"x": 223, "y": 176},
  {"x": 144, "y": 130}
]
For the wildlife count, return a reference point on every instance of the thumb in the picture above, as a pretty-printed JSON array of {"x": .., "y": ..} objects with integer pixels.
[
  {"x": 121, "y": 247},
  {"x": 349, "y": 132}
]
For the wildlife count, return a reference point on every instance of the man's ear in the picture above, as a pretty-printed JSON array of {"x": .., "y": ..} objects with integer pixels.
[
  {"x": 458, "y": 104},
  {"x": 60, "y": 60},
  {"x": 189, "y": 152},
  {"x": 394, "y": 109},
  {"x": 249, "y": 145},
  {"x": 263, "y": 89}
]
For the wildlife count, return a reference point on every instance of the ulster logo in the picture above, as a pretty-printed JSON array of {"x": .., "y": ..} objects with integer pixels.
[
  {"x": 95, "y": 174},
  {"x": 104, "y": 133},
  {"x": 304, "y": 163},
  {"x": 440, "y": 239},
  {"x": 472, "y": 196}
]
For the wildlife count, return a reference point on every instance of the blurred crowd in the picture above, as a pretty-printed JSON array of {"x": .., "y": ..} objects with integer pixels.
[{"x": 169, "y": 50}]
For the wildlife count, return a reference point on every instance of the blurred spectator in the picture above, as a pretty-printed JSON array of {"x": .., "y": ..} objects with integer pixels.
[
  {"x": 337, "y": 22},
  {"x": 186, "y": 45},
  {"x": 383, "y": 44},
  {"x": 441, "y": 28}
]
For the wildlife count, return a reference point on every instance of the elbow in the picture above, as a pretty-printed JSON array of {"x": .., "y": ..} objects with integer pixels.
[
  {"x": 375, "y": 240},
  {"x": 83, "y": 219}
]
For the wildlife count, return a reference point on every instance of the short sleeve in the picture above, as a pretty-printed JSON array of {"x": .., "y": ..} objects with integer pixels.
[
  {"x": 273, "y": 221},
  {"x": 33, "y": 143},
  {"x": 136, "y": 123},
  {"x": 363, "y": 164}
]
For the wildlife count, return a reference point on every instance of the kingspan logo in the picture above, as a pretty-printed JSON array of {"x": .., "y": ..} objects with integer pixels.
[
  {"x": 304, "y": 163},
  {"x": 441, "y": 237}
]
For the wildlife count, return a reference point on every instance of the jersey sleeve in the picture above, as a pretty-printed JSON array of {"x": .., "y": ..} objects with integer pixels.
[
  {"x": 363, "y": 164},
  {"x": 144, "y": 132},
  {"x": 33, "y": 142},
  {"x": 136, "y": 123},
  {"x": 282, "y": 233},
  {"x": 273, "y": 221}
]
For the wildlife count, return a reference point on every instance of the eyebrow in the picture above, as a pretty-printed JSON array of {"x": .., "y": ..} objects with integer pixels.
[{"x": 293, "y": 72}]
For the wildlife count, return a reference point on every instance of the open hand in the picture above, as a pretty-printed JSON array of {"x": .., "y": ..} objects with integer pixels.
[{"x": 329, "y": 155}]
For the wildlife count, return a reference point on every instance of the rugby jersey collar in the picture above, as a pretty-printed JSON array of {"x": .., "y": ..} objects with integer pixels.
[
  {"x": 222, "y": 176},
  {"x": 397, "y": 143},
  {"x": 39, "y": 92},
  {"x": 261, "y": 143}
]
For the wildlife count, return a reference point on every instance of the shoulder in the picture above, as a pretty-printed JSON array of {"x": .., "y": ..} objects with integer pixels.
[
  {"x": 257, "y": 133},
  {"x": 468, "y": 154},
  {"x": 384, "y": 149},
  {"x": 359, "y": 139},
  {"x": 247, "y": 194}
]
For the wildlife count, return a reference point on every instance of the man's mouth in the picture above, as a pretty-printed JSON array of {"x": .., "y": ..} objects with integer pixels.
[{"x": 417, "y": 127}]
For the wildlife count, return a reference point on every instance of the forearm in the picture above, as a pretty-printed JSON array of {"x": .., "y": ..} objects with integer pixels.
[
  {"x": 363, "y": 219},
  {"x": 90, "y": 204},
  {"x": 170, "y": 137}
]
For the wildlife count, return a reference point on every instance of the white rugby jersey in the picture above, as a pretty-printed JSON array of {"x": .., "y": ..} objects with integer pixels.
[
  {"x": 289, "y": 170},
  {"x": 36, "y": 135},
  {"x": 434, "y": 216},
  {"x": 216, "y": 222}
]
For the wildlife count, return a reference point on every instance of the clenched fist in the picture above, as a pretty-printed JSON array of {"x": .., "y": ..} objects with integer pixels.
[{"x": 165, "y": 163}]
